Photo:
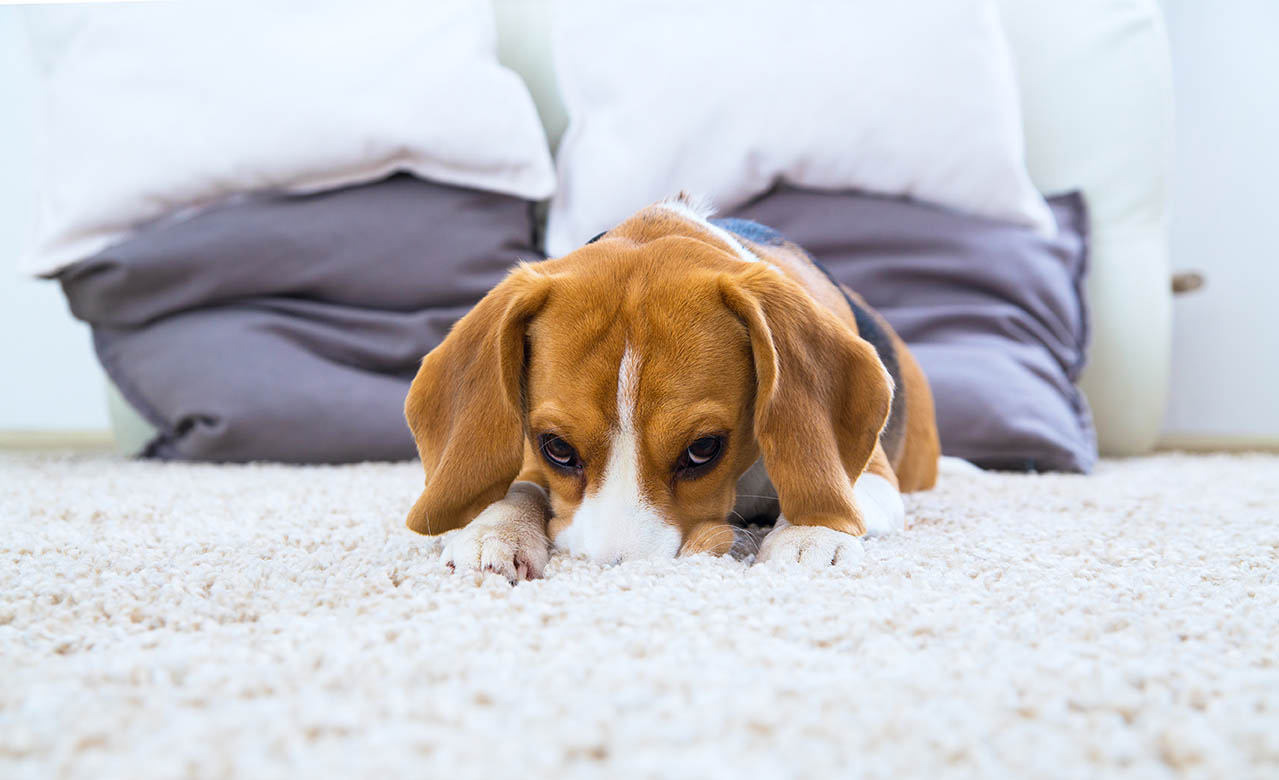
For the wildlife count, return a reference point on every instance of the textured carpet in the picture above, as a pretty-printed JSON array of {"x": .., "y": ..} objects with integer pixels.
[{"x": 270, "y": 621}]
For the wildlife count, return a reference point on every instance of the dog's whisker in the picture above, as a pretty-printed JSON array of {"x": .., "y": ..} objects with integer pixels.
[
  {"x": 745, "y": 542},
  {"x": 708, "y": 538}
]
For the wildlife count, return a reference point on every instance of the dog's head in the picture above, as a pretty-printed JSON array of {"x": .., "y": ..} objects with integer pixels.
[{"x": 645, "y": 373}]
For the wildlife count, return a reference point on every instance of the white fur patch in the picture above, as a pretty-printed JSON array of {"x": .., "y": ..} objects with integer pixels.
[
  {"x": 881, "y": 505},
  {"x": 628, "y": 372},
  {"x": 686, "y": 210},
  {"x": 617, "y": 523}
]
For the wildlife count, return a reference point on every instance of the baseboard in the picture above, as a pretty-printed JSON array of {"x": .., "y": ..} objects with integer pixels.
[
  {"x": 1195, "y": 442},
  {"x": 96, "y": 441}
]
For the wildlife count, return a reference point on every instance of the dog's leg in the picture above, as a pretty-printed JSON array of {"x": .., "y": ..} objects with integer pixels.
[
  {"x": 817, "y": 547},
  {"x": 509, "y": 536}
]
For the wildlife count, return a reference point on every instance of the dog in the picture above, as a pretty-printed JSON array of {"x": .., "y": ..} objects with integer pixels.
[{"x": 628, "y": 399}]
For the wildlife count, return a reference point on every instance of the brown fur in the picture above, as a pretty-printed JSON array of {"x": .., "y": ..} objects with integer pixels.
[{"x": 770, "y": 359}]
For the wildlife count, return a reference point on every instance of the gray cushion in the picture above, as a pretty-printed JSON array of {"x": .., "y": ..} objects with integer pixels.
[
  {"x": 288, "y": 328},
  {"x": 994, "y": 312}
]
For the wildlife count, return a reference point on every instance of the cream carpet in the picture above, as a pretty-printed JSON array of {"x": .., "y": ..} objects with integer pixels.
[{"x": 269, "y": 621}]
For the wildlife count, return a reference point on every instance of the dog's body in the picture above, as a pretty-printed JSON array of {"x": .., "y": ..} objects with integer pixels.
[{"x": 625, "y": 400}]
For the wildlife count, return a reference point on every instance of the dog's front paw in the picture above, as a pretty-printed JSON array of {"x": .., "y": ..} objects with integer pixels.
[
  {"x": 810, "y": 547},
  {"x": 503, "y": 539}
]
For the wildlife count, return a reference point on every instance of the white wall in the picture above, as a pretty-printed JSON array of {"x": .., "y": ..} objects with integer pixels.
[
  {"x": 1225, "y": 365},
  {"x": 49, "y": 379}
]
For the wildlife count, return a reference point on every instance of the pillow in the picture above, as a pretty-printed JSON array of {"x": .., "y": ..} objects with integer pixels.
[
  {"x": 156, "y": 109},
  {"x": 290, "y": 327},
  {"x": 727, "y": 97},
  {"x": 995, "y": 314}
]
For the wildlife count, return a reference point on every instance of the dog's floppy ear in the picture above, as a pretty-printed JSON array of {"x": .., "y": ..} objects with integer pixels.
[
  {"x": 822, "y": 397},
  {"x": 465, "y": 406}
]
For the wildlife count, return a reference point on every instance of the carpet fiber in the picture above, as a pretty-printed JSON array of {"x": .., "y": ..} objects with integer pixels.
[{"x": 264, "y": 621}]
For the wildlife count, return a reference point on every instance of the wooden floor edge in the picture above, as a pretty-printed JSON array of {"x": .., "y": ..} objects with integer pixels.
[
  {"x": 57, "y": 440},
  {"x": 1199, "y": 443}
]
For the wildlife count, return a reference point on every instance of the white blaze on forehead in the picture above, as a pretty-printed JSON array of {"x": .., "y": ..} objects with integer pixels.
[
  {"x": 628, "y": 372},
  {"x": 617, "y": 522},
  {"x": 686, "y": 211}
]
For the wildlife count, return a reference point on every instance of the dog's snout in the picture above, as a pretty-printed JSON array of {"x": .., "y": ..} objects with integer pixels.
[{"x": 617, "y": 538}]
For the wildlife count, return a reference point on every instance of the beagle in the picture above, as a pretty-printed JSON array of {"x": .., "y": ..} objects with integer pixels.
[{"x": 627, "y": 399}]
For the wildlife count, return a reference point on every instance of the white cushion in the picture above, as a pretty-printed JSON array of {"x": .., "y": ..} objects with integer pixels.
[
  {"x": 156, "y": 108},
  {"x": 726, "y": 97}
]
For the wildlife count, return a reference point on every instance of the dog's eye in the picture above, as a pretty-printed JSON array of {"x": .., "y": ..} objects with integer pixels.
[
  {"x": 700, "y": 454},
  {"x": 703, "y": 450},
  {"x": 558, "y": 452}
]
